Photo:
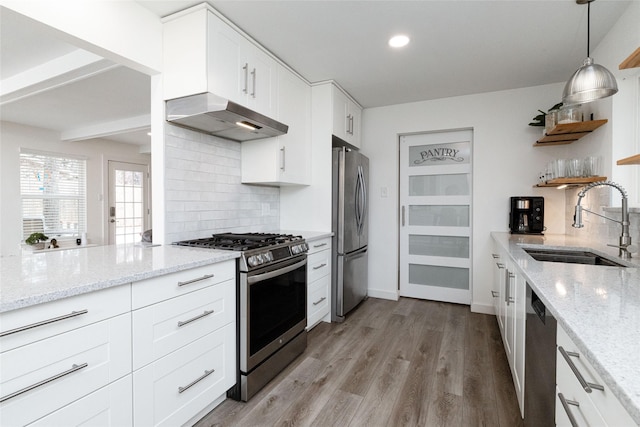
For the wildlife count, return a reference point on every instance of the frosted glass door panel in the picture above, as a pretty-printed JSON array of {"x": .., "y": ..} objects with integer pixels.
[
  {"x": 439, "y": 215},
  {"x": 444, "y": 246},
  {"x": 440, "y": 185},
  {"x": 433, "y": 275}
]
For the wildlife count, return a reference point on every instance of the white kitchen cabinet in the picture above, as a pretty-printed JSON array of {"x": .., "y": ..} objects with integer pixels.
[
  {"x": 184, "y": 343},
  {"x": 37, "y": 322},
  {"x": 599, "y": 407},
  {"x": 162, "y": 328},
  {"x": 285, "y": 159},
  {"x": 39, "y": 378},
  {"x": 173, "y": 389},
  {"x": 203, "y": 53},
  {"x": 497, "y": 288},
  {"x": 509, "y": 295},
  {"x": 347, "y": 118},
  {"x": 110, "y": 406},
  {"x": 318, "y": 281}
]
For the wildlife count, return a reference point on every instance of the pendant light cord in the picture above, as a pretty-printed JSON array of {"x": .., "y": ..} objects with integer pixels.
[{"x": 588, "y": 28}]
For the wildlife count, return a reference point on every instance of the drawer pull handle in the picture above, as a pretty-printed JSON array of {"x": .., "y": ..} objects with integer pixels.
[
  {"x": 565, "y": 405},
  {"x": 188, "y": 282},
  {"x": 500, "y": 265},
  {"x": 495, "y": 256},
  {"x": 587, "y": 386},
  {"x": 495, "y": 294},
  {"x": 44, "y": 322},
  {"x": 319, "y": 266},
  {"x": 196, "y": 381},
  {"x": 193, "y": 319},
  {"x": 73, "y": 369},
  {"x": 320, "y": 300},
  {"x": 320, "y": 245}
]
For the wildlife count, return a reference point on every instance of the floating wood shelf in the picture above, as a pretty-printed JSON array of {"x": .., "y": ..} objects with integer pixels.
[
  {"x": 566, "y": 133},
  {"x": 633, "y": 160},
  {"x": 572, "y": 182},
  {"x": 632, "y": 61}
]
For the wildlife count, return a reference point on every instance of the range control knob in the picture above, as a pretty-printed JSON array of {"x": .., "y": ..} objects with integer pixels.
[
  {"x": 267, "y": 256},
  {"x": 252, "y": 261}
]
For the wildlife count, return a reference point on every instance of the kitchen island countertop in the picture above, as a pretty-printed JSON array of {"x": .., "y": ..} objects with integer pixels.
[
  {"x": 598, "y": 307},
  {"x": 38, "y": 278}
]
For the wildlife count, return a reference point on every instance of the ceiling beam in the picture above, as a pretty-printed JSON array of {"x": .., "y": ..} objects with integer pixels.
[
  {"x": 101, "y": 130},
  {"x": 74, "y": 66}
]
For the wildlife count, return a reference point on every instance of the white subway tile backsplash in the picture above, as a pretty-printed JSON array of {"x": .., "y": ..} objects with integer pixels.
[{"x": 203, "y": 189}]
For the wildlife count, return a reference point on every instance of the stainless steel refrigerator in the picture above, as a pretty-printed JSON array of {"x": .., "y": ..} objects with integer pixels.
[{"x": 350, "y": 231}]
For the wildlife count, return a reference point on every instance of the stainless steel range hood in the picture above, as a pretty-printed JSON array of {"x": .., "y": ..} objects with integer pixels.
[{"x": 209, "y": 113}]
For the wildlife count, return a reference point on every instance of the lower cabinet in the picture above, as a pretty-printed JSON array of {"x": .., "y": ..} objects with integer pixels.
[
  {"x": 91, "y": 360},
  {"x": 593, "y": 405},
  {"x": 110, "y": 406},
  {"x": 184, "y": 344},
  {"x": 318, "y": 281},
  {"x": 509, "y": 293},
  {"x": 173, "y": 389}
]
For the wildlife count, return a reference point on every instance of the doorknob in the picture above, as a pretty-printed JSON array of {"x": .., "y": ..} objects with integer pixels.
[{"x": 112, "y": 220}]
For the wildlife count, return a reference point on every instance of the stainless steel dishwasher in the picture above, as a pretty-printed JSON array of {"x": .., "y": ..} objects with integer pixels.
[{"x": 540, "y": 364}]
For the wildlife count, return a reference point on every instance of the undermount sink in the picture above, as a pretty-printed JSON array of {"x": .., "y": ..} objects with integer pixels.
[{"x": 570, "y": 256}]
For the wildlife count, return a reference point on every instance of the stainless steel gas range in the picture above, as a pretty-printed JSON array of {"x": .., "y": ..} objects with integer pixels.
[{"x": 272, "y": 303}]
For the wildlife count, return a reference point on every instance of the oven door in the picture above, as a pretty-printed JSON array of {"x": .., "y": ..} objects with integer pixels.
[{"x": 273, "y": 309}]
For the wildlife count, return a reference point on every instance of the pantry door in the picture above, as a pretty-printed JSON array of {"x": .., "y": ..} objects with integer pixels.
[{"x": 435, "y": 216}]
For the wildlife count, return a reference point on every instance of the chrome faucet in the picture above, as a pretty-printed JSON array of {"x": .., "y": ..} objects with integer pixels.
[{"x": 625, "y": 247}]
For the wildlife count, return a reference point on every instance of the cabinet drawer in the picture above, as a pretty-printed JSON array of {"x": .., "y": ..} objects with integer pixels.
[
  {"x": 162, "y": 328},
  {"x": 31, "y": 324},
  {"x": 111, "y": 406},
  {"x": 604, "y": 400},
  {"x": 317, "y": 300},
  {"x": 319, "y": 245},
  {"x": 151, "y": 291},
  {"x": 170, "y": 391},
  {"x": 67, "y": 367},
  {"x": 585, "y": 414},
  {"x": 318, "y": 265}
]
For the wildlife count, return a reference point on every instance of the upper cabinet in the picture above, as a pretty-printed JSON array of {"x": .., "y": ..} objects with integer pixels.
[
  {"x": 347, "y": 118},
  {"x": 202, "y": 53},
  {"x": 286, "y": 159}
]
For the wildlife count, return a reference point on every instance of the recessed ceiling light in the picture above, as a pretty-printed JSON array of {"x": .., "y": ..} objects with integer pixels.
[{"x": 398, "y": 41}]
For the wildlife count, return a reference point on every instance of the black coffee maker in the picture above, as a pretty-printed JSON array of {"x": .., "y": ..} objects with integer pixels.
[{"x": 527, "y": 215}]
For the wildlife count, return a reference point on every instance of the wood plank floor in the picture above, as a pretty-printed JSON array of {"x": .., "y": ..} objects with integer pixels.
[{"x": 391, "y": 363}]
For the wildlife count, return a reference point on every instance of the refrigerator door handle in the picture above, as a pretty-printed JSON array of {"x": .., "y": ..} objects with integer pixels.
[
  {"x": 364, "y": 200},
  {"x": 358, "y": 196}
]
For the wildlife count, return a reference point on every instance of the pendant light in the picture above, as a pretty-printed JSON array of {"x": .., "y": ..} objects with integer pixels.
[{"x": 591, "y": 81}]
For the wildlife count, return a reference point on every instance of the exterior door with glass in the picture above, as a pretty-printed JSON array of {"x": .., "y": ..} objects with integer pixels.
[
  {"x": 128, "y": 214},
  {"x": 435, "y": 217}
]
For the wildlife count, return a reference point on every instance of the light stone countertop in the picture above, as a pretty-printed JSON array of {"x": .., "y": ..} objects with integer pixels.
[
  {"x": 598, "y": 307},
  {"x": 42, "y": 277}
]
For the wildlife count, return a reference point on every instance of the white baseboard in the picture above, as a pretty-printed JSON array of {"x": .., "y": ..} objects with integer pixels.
[
  {"x": 383, "y": 294},
  {"x": 482, "y": 308}
]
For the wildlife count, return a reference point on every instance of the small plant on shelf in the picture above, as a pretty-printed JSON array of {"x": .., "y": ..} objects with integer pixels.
[
  {"x": 540, "y": 119},
  {"x": 35, "y": 238}
]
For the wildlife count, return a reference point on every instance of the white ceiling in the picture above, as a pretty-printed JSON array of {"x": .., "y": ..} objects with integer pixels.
[{"x": 457, "y": 48}]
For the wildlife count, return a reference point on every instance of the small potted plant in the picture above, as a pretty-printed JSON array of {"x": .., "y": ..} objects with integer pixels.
[{"x": 36, "y": 240}]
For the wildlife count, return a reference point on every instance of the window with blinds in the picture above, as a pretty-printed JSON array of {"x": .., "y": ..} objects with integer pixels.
[{"x": 53, "y": 193}]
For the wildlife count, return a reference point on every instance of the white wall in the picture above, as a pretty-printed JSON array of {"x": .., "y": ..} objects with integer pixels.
[
  {"x": 505, "y": 164},
  {"x": 98, "y": 152}
]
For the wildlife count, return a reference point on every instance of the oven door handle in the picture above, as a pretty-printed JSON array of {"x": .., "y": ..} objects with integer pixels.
[{"x": 266, "y": 276}]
